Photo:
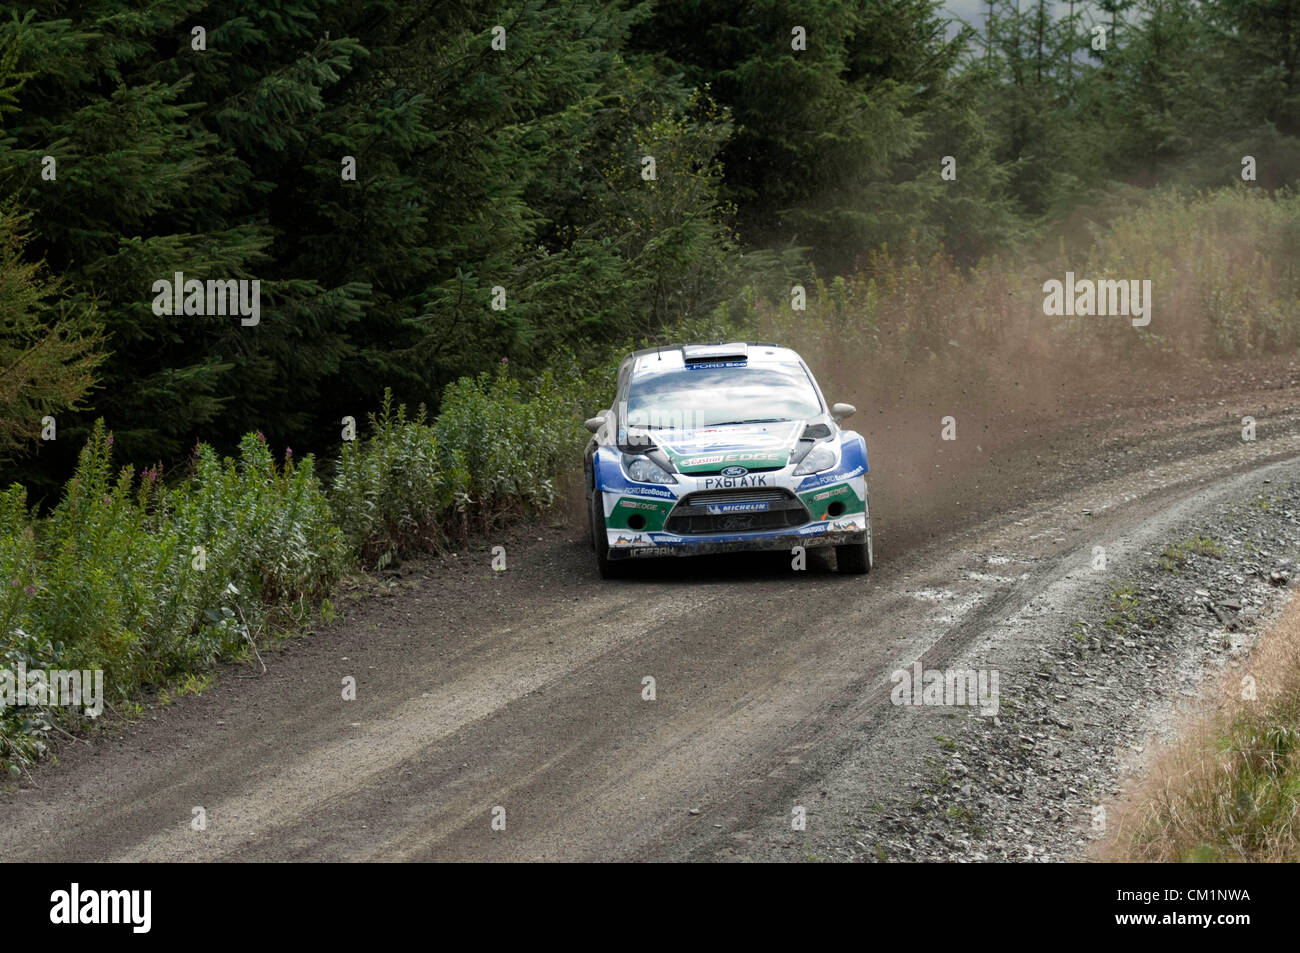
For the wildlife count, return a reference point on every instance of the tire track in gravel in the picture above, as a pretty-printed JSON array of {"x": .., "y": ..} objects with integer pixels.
[{"x": 982, "y": 637}]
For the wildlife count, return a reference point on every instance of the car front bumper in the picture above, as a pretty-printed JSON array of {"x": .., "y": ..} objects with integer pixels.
[
  {"x": 838, "y": 532},
  {"x": 709, "y": 513}
]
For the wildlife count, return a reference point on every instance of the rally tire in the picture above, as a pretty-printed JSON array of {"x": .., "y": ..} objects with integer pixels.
[
  {"x": 608, "y": 568},
  {"x": 591, "y": 525},
  {"x": 853, "y": 558},
  {"x": 856, "y": 559}
]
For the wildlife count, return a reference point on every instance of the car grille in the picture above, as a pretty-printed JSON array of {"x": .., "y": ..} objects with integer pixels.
[
  {"x": 713, "y": 471},
  {"x": 716, "y": 497},
  {"x": 691, "y": 515}
]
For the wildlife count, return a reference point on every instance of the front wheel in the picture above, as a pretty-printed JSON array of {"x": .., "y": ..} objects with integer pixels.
[
  {"x": 608, "y": 568},
  {"x": 856, "y": 558},
  {"x": 591, "y": 521}
]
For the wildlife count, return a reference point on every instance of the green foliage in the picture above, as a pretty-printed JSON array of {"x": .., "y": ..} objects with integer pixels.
[
  {"x": 113, "y": 579},
  {"x": 824, "y": 133},
  {"x": 520, "y": 167},
  {"x": 152, "y": 583},
  {"x": 1236, "y": 796},
  {"x": 390, "y": 490},
  {"x": 164, "y": 164},
  {"x": 492, "y": 452},
  {"x": 476, "y": 168},
  {"x": 1176, "y": 555},
  {"x": 48, "y": 347}
]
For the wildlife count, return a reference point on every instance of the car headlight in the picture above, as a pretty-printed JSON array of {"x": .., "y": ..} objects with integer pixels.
[
  {"x": 818, "y": 459},
  {"x": 645, "y": 470}
]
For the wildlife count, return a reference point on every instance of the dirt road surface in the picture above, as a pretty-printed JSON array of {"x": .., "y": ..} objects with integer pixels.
[{"x": 523, "y": 690}]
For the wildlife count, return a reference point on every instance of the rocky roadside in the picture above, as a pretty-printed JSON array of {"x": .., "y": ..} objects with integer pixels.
[{"x": 1032, "y": 782}]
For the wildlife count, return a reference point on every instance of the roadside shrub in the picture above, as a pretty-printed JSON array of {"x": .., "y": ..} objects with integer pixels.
[
  {"x": 390, "y": 491},
  {"x": 146, "y": 582},
  {"x": 494, "y": 451},
  {"x": 1222, "y": 266},
  {"x": 509, "y": 447}
]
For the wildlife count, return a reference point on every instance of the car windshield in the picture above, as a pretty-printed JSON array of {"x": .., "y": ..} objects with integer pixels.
[{"x": 693, "y": 397}]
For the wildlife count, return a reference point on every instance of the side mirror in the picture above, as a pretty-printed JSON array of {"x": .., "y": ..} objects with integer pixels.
[
  {"x": 595, "y": 423},
  {"x": 842, "y": 411}
]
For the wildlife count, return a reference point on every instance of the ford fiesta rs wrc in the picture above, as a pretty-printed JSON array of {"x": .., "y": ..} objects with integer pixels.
[{"x": 724, "y": 447}]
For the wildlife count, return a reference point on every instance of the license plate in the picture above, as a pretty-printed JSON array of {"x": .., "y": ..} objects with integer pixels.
[{"x": 731, "y": 483}]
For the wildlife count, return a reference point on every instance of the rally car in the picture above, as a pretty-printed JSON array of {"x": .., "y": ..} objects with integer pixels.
[{"x": 723, "y": 447}]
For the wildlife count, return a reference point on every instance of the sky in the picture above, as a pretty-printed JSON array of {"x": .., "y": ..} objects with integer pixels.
[{"x": 972, "y": 11}]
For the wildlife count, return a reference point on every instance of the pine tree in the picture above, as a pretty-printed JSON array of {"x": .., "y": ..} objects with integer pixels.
[
  {"x": 165, "y": 157},
  {"x": 212, "y": 140},
  {"x": 824, "y": 134},
  {"x": 49, "y": 347},
  {"x": 1262, "y": 42}
]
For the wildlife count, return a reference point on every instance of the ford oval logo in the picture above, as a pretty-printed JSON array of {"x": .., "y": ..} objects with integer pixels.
[{"x": 734, "y": 471}]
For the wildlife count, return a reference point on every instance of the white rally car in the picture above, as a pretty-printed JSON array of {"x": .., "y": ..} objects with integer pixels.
[{"x": 723, "y": 447}]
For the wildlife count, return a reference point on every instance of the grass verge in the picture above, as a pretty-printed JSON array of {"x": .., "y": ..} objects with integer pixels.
[{"x": 1229, "y": 789}]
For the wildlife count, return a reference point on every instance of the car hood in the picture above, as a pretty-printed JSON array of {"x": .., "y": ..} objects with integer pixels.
[{"x": 765, "y": 446}]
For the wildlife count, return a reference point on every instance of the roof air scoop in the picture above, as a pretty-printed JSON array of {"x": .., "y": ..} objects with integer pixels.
[{"x": 700, "y": 353}]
